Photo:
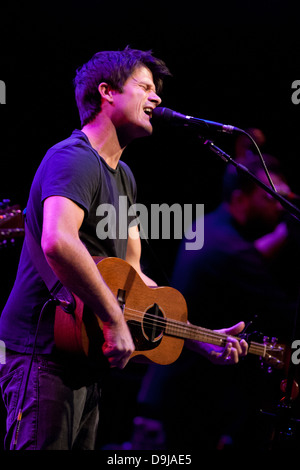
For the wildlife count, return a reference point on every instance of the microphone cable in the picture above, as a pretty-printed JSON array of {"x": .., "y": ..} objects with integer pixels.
[
  {"x": 20, "y": 413},
  {"x": 261, "y": 159}
]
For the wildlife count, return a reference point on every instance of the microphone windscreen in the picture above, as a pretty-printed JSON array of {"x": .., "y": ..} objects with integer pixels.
[{"x": 162, "y": 113}]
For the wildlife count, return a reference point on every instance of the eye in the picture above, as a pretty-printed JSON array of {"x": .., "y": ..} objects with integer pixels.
[{"x": 146, "y": 86}]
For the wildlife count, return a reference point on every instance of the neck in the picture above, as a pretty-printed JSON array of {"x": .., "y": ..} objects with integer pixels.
[{"x": 104, "y": 139}]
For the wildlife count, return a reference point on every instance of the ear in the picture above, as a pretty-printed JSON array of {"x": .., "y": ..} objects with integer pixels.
[{"x": 106, "y": 92}]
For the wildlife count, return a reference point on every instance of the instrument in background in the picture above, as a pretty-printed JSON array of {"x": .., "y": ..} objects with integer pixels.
[
  {"x": 11, "y": 223},
  {"x": 156, "y": 317}
]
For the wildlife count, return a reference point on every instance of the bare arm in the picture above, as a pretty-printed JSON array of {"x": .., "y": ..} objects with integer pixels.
[
  {"x": 76, "y": 269},
  {"x": 269, "y": 245}
]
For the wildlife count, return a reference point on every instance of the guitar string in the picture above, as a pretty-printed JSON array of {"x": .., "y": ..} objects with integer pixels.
[
  {"x": 255, "y": 348},
  {"x": 163, "y": 322}
]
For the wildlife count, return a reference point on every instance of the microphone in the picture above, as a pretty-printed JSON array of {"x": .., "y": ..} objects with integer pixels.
[{"x": 177, "y": 119}]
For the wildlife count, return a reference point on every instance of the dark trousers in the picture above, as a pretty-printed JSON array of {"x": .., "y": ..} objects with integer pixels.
[{"x": 57, "y": 414}]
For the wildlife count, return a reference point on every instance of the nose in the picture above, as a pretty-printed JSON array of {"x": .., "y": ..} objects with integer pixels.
[{"x": 154, "y": 98}]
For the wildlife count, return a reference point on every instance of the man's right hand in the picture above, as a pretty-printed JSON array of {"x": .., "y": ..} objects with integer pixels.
[
  {"x": 118, "y": 345},
  {"x": 76, "y": 269}
]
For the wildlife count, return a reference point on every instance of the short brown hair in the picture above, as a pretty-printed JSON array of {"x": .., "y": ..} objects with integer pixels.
[{"x": 114, "y": 68}]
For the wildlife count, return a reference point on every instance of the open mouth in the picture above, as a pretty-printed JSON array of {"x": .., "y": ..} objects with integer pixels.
[{"x": 148, "y": 111}]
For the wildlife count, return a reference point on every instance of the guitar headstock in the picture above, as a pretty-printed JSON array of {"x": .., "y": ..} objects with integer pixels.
[
  {"x": 11, "y": 222},
  {"x": 274, "y": 355}
]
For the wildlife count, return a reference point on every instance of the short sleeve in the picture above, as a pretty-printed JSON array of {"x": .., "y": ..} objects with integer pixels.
[{"x": 71, "y": 172}]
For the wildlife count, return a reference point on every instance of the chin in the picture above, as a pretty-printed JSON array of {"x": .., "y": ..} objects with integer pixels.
[{"x": 144, "y": 131}]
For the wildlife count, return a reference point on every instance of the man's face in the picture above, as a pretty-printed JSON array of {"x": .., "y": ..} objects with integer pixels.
[
  {"x": 133, "y": 107},
  {"x": 263, "y": 209}
]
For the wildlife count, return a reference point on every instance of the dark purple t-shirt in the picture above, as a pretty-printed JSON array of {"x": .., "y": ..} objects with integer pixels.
[{"x": 73, "y": 169}]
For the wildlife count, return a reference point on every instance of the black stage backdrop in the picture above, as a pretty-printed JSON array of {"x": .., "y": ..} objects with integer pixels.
[{"x": 233, "y": 62}]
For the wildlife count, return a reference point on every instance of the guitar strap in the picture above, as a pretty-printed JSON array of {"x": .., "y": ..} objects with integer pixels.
[{"x": 57, "y": 291}]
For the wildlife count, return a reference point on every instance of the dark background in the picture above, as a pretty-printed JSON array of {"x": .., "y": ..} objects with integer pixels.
[{"x": 232, "y": 62}]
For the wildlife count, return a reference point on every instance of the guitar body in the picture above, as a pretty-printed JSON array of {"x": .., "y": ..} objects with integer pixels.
[
  {"x": 156, "y": 317},
  {"x": 145, "y": 309}
]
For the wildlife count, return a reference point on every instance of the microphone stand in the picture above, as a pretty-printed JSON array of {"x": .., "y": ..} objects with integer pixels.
[
  {"x": 293, "y": 210},
  {"x": 284, "y": 428}
]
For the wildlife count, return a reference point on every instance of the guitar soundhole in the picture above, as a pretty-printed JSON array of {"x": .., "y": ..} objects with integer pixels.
[
  {"x": 148, "y": 334},
  {"x": 153, "y": 324}
]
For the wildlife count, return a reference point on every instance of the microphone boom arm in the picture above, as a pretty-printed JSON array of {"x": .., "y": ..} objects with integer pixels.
[{"x": 292, "y": 210}]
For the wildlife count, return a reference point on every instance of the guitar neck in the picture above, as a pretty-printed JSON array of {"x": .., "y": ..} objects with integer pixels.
[{"x": 197, "y": 333}]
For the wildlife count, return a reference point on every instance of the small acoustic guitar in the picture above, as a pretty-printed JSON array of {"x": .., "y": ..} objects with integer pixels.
[{"x": 156, "y": 317}]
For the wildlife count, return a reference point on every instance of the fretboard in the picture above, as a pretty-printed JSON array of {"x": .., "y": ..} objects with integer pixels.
[{"x": 197, "y": 333}]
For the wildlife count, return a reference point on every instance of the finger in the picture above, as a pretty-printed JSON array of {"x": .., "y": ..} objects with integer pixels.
[
  {"x": 115, "y": 357},
  {"x": 244, "y": 347},
  {"x": 111, "y": 348},
  {"x": 236, "y": 345},
  {"x": 227, "y": 350},
  {"x": 230, "y": 354},
  {"x": 234, "y": 356},
  {"x": 119, "y": 361},
  {"x": 235, "y": 329}
]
